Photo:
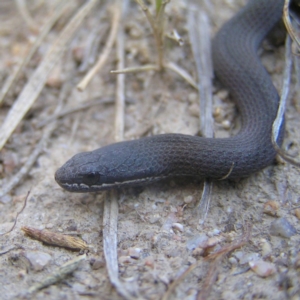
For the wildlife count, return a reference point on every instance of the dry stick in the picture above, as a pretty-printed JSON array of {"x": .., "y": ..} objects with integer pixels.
[
  {"x": 107, "y": 50},
  {"x": 55, "y": 238},
  {"x": 37, "y": 81},
  {"x": 85, "y": 105},
  {"x": 111, "y": 209},
  {"x": 282, "y": 104},
  {"x": 199, "y": 29},
  {"x": 24, "y": 205},
  {"x": 61, "y": 8}
]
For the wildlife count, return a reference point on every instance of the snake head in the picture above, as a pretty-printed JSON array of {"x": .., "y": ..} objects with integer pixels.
[{"x": 109, "y": 167}]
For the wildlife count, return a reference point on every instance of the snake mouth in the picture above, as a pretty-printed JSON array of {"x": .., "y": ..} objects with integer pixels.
[{"x": 84, "y": 188}]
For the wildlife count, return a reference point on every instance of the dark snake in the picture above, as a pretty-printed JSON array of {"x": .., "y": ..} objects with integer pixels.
[{"x": 238, "y": 67}]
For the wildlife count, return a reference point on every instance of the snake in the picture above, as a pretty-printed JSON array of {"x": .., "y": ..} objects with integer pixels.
[{"x": 238, "y": 67}]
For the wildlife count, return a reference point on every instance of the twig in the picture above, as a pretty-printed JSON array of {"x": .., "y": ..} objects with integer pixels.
[
  {"x": 68, "y": 111},
  {"x": 55, "y": 239},
  {"x": 37, "y": 81},
  {"x": 218, "y": 257},
  {"x": 59, "y": 275},
  {"x": 107, "y": 49},
  {"x": 16, "y": 219}
]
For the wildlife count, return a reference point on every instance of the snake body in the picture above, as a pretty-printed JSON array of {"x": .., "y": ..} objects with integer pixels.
[{"x": 238, "y": 67}]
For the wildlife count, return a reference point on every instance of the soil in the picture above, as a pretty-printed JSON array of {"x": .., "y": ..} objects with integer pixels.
[{"x": 159, "y": 233}]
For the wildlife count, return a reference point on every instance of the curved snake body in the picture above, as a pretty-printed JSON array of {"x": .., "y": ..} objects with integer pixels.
[{"x": 238, "y": 67}]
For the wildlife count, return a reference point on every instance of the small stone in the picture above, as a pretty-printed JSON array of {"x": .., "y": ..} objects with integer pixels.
[
  {"x": 177, "y": 227},
  {"x": 134, "y": 252},
  {"x": 97, "y": 263},
  {"x": 194, "y": 110},
  {"x": 271, "y": 208},
  {"x": 266, "y": 248},
  {"x": 297, "y": 261},
  {"x": 213, "y": 241},
  {"x": 233, "y": 261},
  {"x": 198, "y": 252},
  {"x": 149, "y": 262},
  {"x": 198, "y": 241},
  {"x": 125, "y": 260},
  {"x": 262, "y": 268},
  {"x": 188, "y": 199},
  {"x": 5, "y": 199},
  {"x": 226, "y": 124},
  {"x": 38, "y": 260},
  {"x": 297, "y": 213},
  {"x": 249, "y": 257},
  {"x": 282, "y": 227}
]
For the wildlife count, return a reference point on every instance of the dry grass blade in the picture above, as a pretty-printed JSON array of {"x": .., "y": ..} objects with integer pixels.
[
  {"x": 59, "y": 275},
  {"x": 136, "y": 69},
  {"x": 110, "y": 243},
  {"x": 282, "y": 104},
  {"x": 288, "y": 23},
  {"x": 199, "y": 29},
  {"x": 107, "y": 49},
  {"x": 37, "y": 81},
  {"x": 22, "y": 7},
  {"x": 183, "y": 73},
  {"x": 61, "y": 8},
  {"x": 111, "y": 210}
]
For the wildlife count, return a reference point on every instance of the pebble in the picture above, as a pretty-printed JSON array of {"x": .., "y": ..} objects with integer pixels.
[
  {"x": 266, "y": 248},
  {"x": 5, "y": 199},
  {"x": 262, "y": 268},
  {"x": 97, "y": 263},
  {"x": 124, "y": 260},
  {"x": 244, "y": 258},
  {"x": 134, "y": 252},
  {"x": 282, "y": 227},
  {"x": 178, "y": 227},
  {"x": 198, "y": 241},
  {"x": 271, "y": 208},
  {"x": 188, "y": 199},
  {"x": 297, "y": 213},
  {"x": 38, "y": 260}
]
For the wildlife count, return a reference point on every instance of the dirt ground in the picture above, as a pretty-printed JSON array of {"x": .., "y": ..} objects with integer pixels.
[{"x": 162, "y": 247}]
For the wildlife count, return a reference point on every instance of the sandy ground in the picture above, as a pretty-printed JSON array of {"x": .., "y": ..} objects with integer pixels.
[{"x": 159, "y": 235}]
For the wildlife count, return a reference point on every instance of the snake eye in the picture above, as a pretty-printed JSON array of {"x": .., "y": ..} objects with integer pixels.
[{"x": 90, "y": 178}]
